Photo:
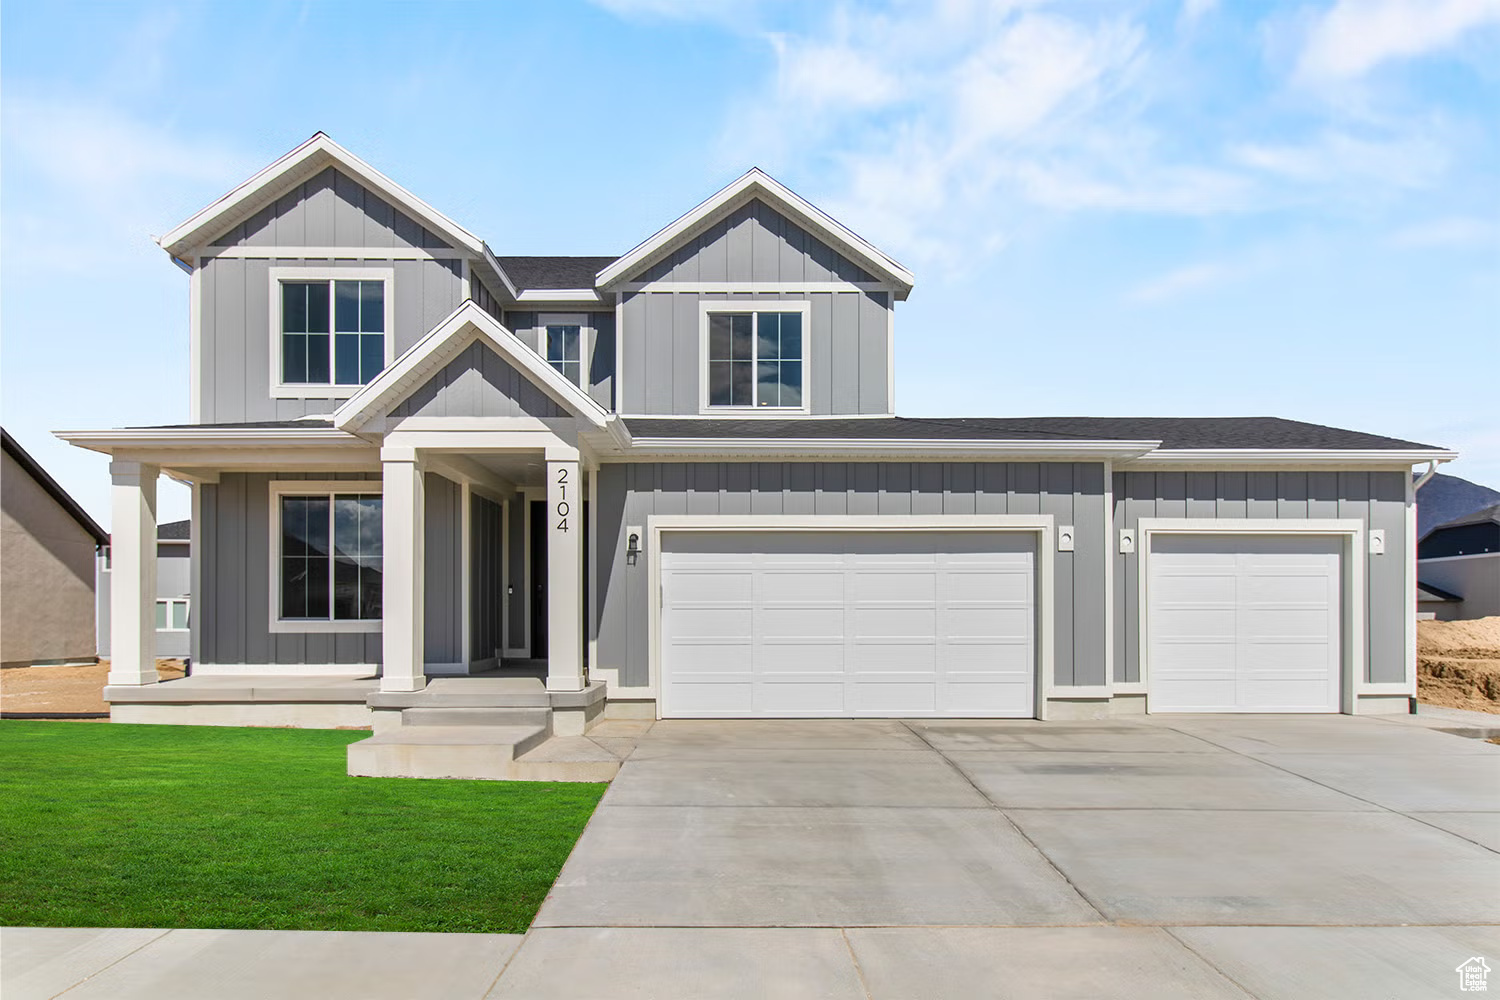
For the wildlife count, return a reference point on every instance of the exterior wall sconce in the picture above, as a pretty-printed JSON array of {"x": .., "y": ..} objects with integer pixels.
[{"x": 632, "y": 545}]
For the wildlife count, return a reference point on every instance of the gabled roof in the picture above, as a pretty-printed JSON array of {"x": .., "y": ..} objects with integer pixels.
[
  {"x": 448, "y": 340},
  {"x": 54, "y": 490},
  {"x": 174, "y": 531},
  {"x": 755, "y": 183},
  {"x": 302, "y": 163}
]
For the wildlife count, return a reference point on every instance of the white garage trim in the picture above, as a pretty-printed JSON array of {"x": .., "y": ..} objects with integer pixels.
[
  {"x": 1352, "y": 578},
  {"x": 1041, "y": 525}
]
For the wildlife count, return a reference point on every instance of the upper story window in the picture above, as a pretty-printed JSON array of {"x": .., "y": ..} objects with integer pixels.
[
  {"x": 564, "y": 350},
  {"x": 331, "y": 329},
  {"x": 754, "y": 359}
]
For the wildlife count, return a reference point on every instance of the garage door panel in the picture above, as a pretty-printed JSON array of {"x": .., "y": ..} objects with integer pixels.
[
  {"x": 849, "y": 623},
  {"x": 1264, "y": 637}
]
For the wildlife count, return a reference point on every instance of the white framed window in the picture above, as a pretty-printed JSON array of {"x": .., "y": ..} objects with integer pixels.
[
  {"x": 754, "y": 356},
  {"x": 330, "y": 329},
  {"x": 564, "y": 342},
  {"x": 171, "y": 614},
  {"x": 327, "y": 556}
]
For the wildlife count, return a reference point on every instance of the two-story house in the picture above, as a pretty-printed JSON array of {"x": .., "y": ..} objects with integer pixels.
[{"x": 672, "y": 483}]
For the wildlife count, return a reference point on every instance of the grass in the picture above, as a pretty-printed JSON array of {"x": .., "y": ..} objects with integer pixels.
[{"x": 187, "y": 826}]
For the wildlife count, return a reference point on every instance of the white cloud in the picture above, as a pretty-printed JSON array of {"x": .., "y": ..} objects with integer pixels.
[
  {"x": 727, "y": 11},
  {"x": 1179, "y": 282},
  {"x": 1335, "y": 157},
  {"x": 1192, "y": 11},
  {"x": 1455, "y": 231},
  {"x": 1356, "y": 36}
]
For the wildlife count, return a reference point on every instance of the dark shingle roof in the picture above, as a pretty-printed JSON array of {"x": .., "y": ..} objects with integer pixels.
[
  {"x": 175, "y": 530},
  {"x": 52, "y": 487},
  {"x": 1172, "y": 432},
  {"x": 1488, "y": 515},
  {"x": 553, "y": 272},
  {"x": 1427, "y": 592},
  {"x": 1444, "y": 498}
]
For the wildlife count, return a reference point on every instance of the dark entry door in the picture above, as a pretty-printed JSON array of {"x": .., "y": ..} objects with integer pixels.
[{"x": 538, "y": 602}]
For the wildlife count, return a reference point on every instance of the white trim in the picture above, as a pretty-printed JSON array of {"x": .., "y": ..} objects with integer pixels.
[
  {"x": 195, "y": 341},
  {"x": 321, "y": 254},
  {"x": 1223, "y": 459},
  {"x": 276, "y": 489},
  {"x": 591, "y": 633},
  {"x": 586, "y": 296},
  {"x": 619, "y": 384},
  {"x": 1409, "y": 616},
  {"x": 465, "y": 325},
  {"x": 768, "y": 416},
  {"x": 317, "y": 390},
  {"x": 466, "y": 571},
  {"x": 1043, "y": 681},
  {"x": 753, "y": 287},
  {"x": 300, "y": 164},
  {"x": 1111, "y": 553},
  {"x": 169, "y": 601},
  {"x": 755, "y": 183},
  {"x": 1469, "y": 555},
  {"x": 286, "y": 670},
  {"x": 752, "y": 307},
  {"x": 890, "y": 355},
  {"x": 871, "y": 449},
  {"x": 1354, "y": 584}
]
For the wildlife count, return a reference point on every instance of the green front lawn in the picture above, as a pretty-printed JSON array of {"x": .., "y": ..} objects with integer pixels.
[{"x": 194, "y": 826}]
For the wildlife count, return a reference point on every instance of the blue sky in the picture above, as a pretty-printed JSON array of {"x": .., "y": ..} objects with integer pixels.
[{"x": 1184, "y": 207}]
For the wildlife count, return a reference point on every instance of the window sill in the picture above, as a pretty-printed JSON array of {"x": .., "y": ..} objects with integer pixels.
[
  {"x": 314, "y": 391},
  {"x": 755, "y": 411},
  {"x": 363, "y": 625}
]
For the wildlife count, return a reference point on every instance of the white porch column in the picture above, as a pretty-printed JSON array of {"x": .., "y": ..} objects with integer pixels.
[
  {"x": 564, "y": 571},
  {"x": 132, "y": 597},
  {"x": 403, "y": 529}
]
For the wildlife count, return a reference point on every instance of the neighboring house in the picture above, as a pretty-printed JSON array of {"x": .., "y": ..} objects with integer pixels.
[
  {"x": 1443, "y": 498},
  {"x": 674, "y": 483},
  {"x": 173, "y": 591},
  {"x": 47, "y": 551},
  {"x": 1462, "y": 559}
]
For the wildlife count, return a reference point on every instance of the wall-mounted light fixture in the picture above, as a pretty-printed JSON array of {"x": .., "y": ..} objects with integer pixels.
[{"x": 632, "y": 546}]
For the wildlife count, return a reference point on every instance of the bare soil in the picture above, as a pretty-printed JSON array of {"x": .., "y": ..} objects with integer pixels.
[
  {"x": 1458, "y": 664},
  {"x": 65, "y": 688}
]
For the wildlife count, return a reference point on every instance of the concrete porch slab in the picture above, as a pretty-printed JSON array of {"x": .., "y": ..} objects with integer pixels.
[
  {"x": 1024, "y": 963},
  {"x": 695, "y": 866},
  {"x": 1214, "y": 780},
  {"x": 1335, "y": 963},
  {"x": 720, "y": 964},
  {"x": 197, "y": 689},
  {"x": 1266, "y": 867}
]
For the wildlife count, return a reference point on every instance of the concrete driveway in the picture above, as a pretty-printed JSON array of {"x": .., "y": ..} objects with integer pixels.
[{"x": 1170, "y": 856}]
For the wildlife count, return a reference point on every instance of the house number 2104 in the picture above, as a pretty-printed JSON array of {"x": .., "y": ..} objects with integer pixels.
[{"x": 562, "y": 500}]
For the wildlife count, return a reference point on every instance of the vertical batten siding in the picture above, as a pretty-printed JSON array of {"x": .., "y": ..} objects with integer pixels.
[
  {"x": 478, "y": 383},
  {"x": 232, "y": 609},
  {"x": 600, "y": 364},
  {"x": 1376, "y": 498},
  {"x": 330, "y": 209},
  {"x": 845, "y": 349},
  {"x": 1072, "y": 493}
]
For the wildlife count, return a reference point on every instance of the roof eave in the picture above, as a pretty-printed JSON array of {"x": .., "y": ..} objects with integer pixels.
[{"x": 1275, "y": 457}]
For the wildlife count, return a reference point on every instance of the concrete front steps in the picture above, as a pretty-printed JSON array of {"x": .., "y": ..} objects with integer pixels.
[{"x": 490, "y": 728}]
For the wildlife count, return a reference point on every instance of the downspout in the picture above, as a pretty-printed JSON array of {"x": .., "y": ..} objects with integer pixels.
[{"x": 1422, "y": 479}]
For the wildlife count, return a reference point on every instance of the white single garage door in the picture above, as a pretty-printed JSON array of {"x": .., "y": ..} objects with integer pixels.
[
  {"x": 1243, "y": 623},
  {"x": 847, "y": 623}
]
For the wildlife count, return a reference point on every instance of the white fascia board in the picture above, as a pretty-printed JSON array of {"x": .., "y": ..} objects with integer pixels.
[
  {"x": 1250, "y": 458},
  {"x": 301, "y": 163},
  {"x": 441, "y": 345},
  {"x": 753, "y": 183},
  {"x": 586, "y": 296},
  {"x": 900, "y": 448},
  {"x": 488, "y": 257},
  {"x": 134, "y": 439}
]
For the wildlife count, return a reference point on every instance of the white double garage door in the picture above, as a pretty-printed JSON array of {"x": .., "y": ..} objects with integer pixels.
[{"x": 943, "y": 623}]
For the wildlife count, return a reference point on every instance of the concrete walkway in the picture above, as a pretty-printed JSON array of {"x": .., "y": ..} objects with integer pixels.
[{"x": 1164, "y": 857}]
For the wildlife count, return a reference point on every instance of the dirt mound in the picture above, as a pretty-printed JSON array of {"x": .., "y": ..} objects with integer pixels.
[
  {"x": 1458, "y": 664},
  {"x": 65, "y": 688}
]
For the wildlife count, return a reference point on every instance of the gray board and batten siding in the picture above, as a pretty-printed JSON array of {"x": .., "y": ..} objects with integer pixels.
[
  {"x": 1376, "y": 498},
  {"x": 478, "y": 383},
  {"x": 1072, "y": 492},
  {"x": 330, "y": 210},
  {"x": 847, "y": 347},
  {"x": 599, "y": 365}
]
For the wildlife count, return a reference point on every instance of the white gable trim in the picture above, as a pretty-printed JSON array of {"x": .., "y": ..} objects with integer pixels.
[
  {"x": 302, "y": 163},
  {"x": 756, "y": 183},
  {"x": 446, "y": 341}
]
